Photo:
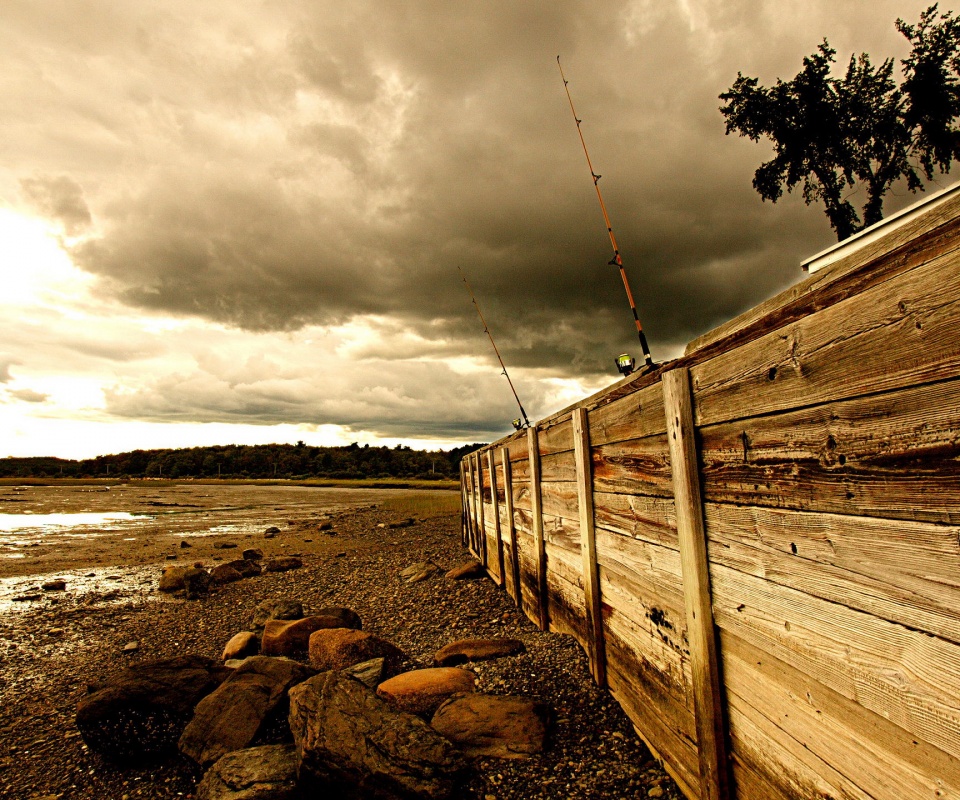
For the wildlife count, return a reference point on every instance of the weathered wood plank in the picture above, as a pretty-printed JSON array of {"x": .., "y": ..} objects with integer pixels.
[
  {"x": 533, "y": 450},
  {"x": 514, "y": 590},
  {"x": 634, "y": 416},
  {"x": 653, "y": 569},
  {"x": 899, "y": 333},
  {"x": 895, "y": 454},
  {"x": 879, "y": 758},
  {"x": 475, "y": 545},
  {"x": 588, "y": 547},
  {"x": 900, "y": 571},
  {"x": 906, "y": 676},
  {"x": 637, "y": 466},
  {"x": 495, "y": 507},
  {"x": 652, "y": 519},
  {"x": 707, "y": 692},
  {"x": 482, "y": 544},
  {"x": 928, "y": 238},
  {"x": 555, "y": 437},
  {"x": 558, "y": 467}
]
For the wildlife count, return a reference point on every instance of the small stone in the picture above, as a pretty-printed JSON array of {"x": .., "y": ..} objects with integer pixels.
[
  {"x": 476, "y": 650},
  {"x": 172, "y": 579},
  {"x": 184, "y": 544},
  {"x": 224, "y": 545},
  {"x": 656, "y": 791},
  {"x": 273, "y": 530},
  {"x": 325, "y": 526},
  {"x": 419, "y": 571},
  {"x": 282, "y": 564},
  {"x": 403, "y": 523},
  {"x": 130, "y": 647},
  {"x": 57, "y": 585},
  {"x": 370, "y": 673},
  {"x": 467, "y": 571},
  {"x": 252, "y": 554},
  {"x": 241, "y": 645}
]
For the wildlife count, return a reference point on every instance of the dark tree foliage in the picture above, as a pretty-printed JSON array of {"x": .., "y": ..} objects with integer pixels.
[
  {"x": 252, "y": 461},
  {"x": 836, "y": 135}
]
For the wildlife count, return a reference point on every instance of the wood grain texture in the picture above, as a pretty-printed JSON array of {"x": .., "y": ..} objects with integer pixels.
[
  {"x": 652, "y": 519},
  {"x": 556, "y": 436},
  {"x": 849, "y": 739},
  {"x": 533, "y": 450},
  {"x": 588, "y": 547},
  {"x": 894, "y": 455},
  {"x": 514, "y": 589},
  {"x": 558, "y": 467},
  {"x": 707, "y": 691},
  {"x": 870, "y": 266},
  {"x": 634, "y": 416},
  {"x": 482, "y": 544},
  {"x": 636, "y": 466},
  {"x": 902, "y": 332},
  {"x": 495, "y": 515},
  {"x": 653, "y": 569},
  {"x": 906, "y": 676},
  {"x": 904, "y": 572}
]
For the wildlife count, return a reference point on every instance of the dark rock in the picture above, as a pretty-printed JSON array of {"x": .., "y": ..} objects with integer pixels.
[
  {"x": 338, "y": 648},
  {"x": 184, "y": 543},
  {"x": 253, "y": 554},
  {"x": 490, "y": 725},
  {"x": 268, "y": 772},
  {"x": 141, "y": 712},
  {"x": 196, "y": 582},
  {"x": 370, "y": 673},
  {"x": 291, "y": 637},
  {"x": 245, "y": 566},
  {"x": 476, "y": 650},
  {"x": 276, "y": 609},
  {"x": 57, "y": 585},
  {"x": 230, "y": 717},
  {"x": 282, "y": 564},
  {"x": 224, "y": 573},
  {"x": 422, "y": 691},
  {"x": 325, "y": 526},
  {"x": 467, "y": 571},
  {"x": 241, "y": 645},
  {"x": 224, "y": 545},
  {"x": 353, "y": 745},
  {"x": 270, "y": 532},
  {"x": 419, "y": 572},
  {"x": 403, "y": 523},
  {"x": 172, "y": 579}
]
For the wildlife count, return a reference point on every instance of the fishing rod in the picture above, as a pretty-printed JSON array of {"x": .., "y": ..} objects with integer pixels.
[
  {"x": 516, "y": 423},
  {"x": 624, "y": 362}
]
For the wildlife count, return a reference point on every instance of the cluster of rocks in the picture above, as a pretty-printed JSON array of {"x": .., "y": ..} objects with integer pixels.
[
  {"x": 196, "y": 581},
  {"x": 313, "y": 703}
]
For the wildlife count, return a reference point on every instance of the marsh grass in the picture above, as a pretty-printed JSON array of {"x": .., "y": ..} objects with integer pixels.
[{"x": 424, "y": 504}]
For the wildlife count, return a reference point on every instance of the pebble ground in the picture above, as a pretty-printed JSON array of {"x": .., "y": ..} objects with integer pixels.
[{"x": 53, "y": 648}]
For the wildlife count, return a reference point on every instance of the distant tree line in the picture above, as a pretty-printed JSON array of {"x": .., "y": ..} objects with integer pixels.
[{"x": 297, "y": 461}]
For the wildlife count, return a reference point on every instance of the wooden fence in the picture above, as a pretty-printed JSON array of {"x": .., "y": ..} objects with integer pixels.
[{"x": 758, "y": 546}]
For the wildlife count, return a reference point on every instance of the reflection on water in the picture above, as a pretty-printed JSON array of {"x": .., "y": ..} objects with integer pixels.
[{"x": 20, "y": 522}]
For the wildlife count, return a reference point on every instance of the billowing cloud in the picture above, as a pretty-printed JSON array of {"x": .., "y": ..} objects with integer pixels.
[
  {"x": 289, "y": 169},
  {"x": 28, "y": 395}
]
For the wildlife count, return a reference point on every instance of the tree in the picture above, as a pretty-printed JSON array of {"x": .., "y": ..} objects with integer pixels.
[{"x": 836, "y": 135}]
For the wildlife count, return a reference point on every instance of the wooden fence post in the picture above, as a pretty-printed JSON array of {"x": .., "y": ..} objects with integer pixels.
[
  {"x": 588, "y": 546},
  {"x": 511, "y": 524},
  {"x": 495, "y": 502},
  {"x": 472, "y": 489},
  {"x": 536, "y": 502},
  {"x": 701, "y": 634},
  {"x": 463, "y": 504},
  {"x": 482, "y": 544}
]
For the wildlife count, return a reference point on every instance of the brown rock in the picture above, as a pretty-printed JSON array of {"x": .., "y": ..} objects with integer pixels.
[
  {"x": 338, "y": 648},
  {"x": 196, "y": 582},
  {"x": 253, "y": 554},
  {"x": 229, "y": 718},
  {"x": 241, "y": 645},
  {"x": 421, "y": 691},
  {"x": 292, "y": 637},
  {"x": 276, "y": 609},
  {"x": 353, "y": 745},
  {"x": 476, "y": 650},
  {"x": 489, "y": 725},
  {"x": 172, "y": 579},
  {"x": 224, "y": 573},
  {"x": 245, "y": 566},
  {"x": 57, "y": 585},
  {"x": 282, "y": 564},
  {"x": 467, "y": 571},
  {"x": 268, "y": 772}
]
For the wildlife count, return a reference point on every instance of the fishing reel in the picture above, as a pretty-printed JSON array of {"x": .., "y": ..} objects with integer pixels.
[
  {"x": 626, "y": 364},
  {"x": 518, "y": 424}
]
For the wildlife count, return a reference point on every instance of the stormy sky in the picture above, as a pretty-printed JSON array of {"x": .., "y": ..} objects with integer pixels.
[{"x": 237, "y": 222}]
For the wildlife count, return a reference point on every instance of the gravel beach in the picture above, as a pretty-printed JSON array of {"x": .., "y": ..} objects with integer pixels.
[{"x": 51, "y": 648}]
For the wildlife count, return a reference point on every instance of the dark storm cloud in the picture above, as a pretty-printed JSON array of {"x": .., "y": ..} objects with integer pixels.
[{"x": 313, "y": 163}]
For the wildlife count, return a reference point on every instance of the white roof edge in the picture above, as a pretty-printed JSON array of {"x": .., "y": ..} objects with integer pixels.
[{"x": 879, "y": 229}]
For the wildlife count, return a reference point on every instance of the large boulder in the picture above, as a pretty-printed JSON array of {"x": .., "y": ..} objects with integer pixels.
[
  {"x": 224, "y": 573},
  {"x": 252, "y": 699},
  {"x": 247, "y": 567},
  {"x": 476, "y": 650},
  {"x": 421, "y": 691},
  {"x": 370, "y": 673},
  {"x": 172, "y": 579},
  {"x": 338, "y": 648},
  {"x": 280, "y": 608},
  {"x": 141, "y": 712},
  {"x": 241, "y": 645},
  {"x": 196, "y": 582},
  {"x": 291, "y": 637},
  {"x": 268, "y": 772},
  {"x": 353, "y": 745},
  {"x": 493, "y": 725}
]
